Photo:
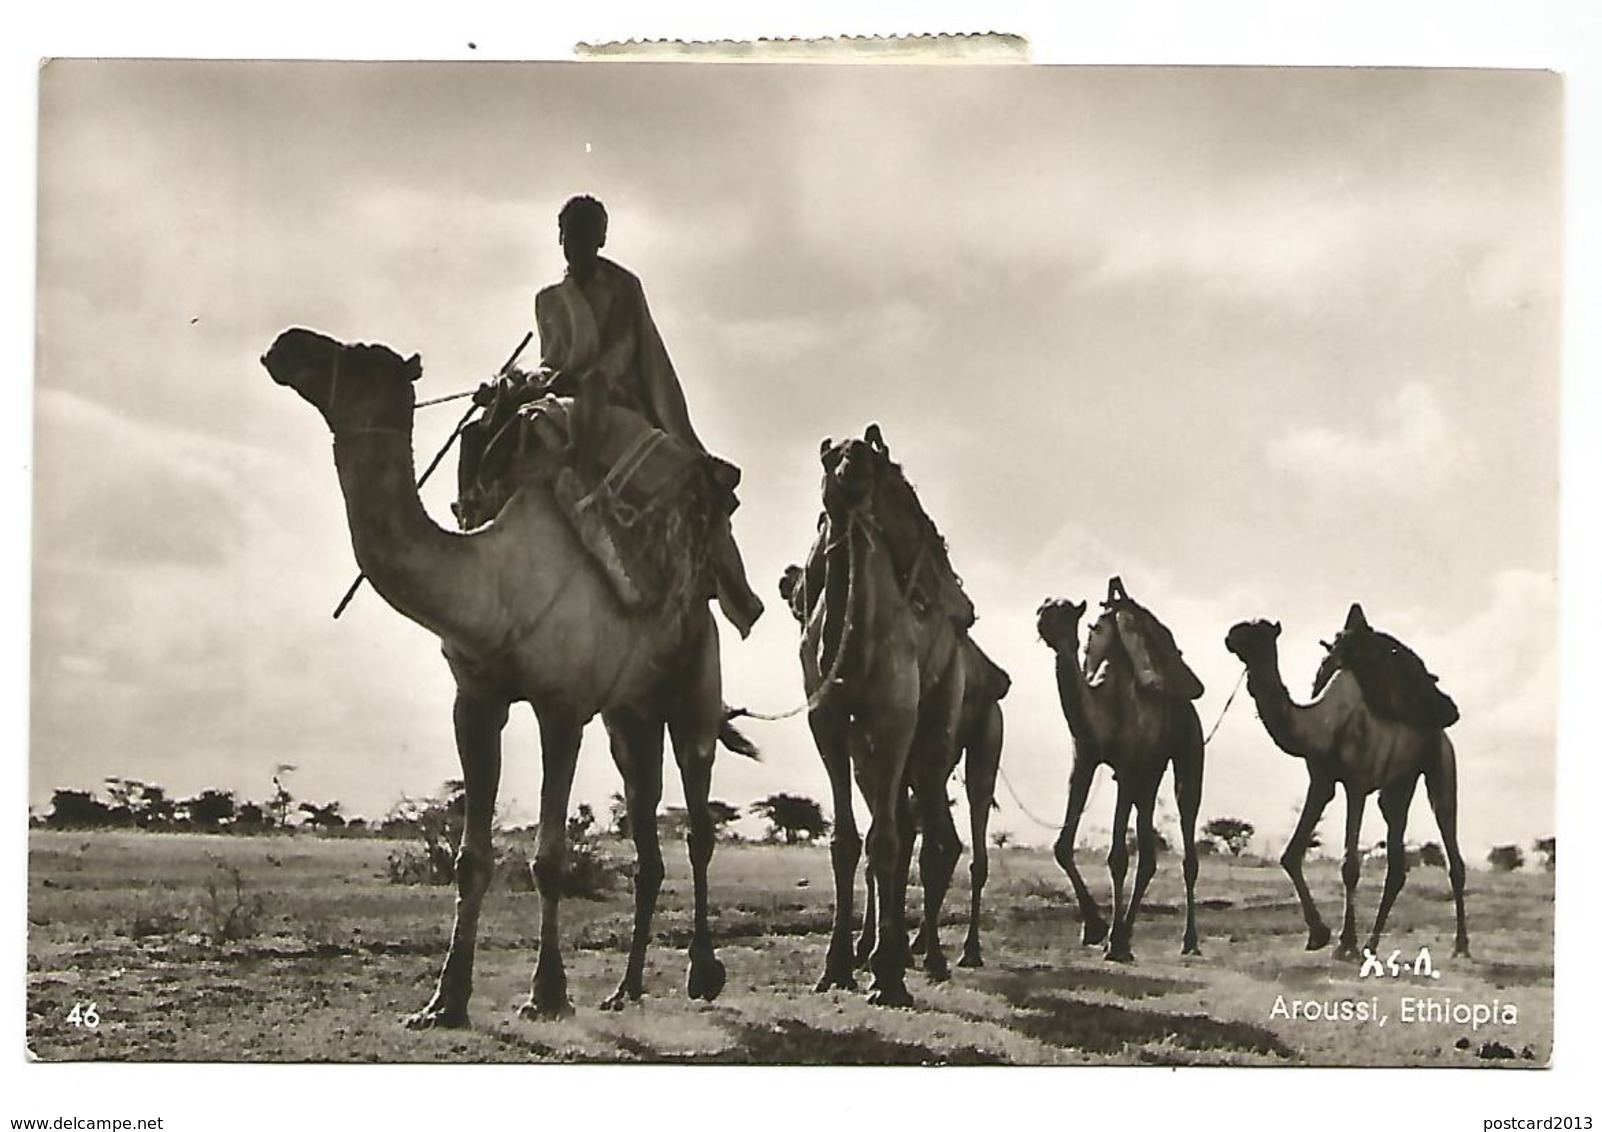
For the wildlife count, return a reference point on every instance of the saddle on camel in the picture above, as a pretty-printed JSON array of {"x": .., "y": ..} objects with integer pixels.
[
  {"x": 603, "y": 419},
  {"x": 1159, "y": 666},
  {"x": 1394, "y": 681}
]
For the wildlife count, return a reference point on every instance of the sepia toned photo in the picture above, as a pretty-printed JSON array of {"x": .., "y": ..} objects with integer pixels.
[{"x": 775, "y": 564}]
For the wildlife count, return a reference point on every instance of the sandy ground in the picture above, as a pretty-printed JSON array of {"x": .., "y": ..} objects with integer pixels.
[{"x": 323, "y": 956}]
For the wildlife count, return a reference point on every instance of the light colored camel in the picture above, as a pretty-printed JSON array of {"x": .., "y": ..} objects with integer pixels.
[
  {"x": 1343, "y": 742},
  {"x": 523, "y": 616},
  {"x": 979, "y": 734},
  {"x": 886, "y": 684},
  {"x": 1136, "y": 731}
]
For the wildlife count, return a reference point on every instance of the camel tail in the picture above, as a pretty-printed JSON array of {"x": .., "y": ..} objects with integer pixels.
[{"x": 736, "y": 740}]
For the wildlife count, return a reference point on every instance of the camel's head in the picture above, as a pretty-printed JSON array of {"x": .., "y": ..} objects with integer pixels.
[
  {"x": 1253, "y": 641},
  {"x": 353, "y": 387},
  {"x": 790, "y": 589},
  {"x": 1057, "y": 621},
  {"x": 851, "y": 468}
]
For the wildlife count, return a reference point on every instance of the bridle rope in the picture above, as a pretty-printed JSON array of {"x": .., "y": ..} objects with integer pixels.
[{"x": 854, "y": 520}]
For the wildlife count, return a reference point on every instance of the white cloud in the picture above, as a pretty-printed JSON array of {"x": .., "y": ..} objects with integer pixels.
[
  {"x": 1501, "y": 664},
  {"x": 1413, "y": 448}
]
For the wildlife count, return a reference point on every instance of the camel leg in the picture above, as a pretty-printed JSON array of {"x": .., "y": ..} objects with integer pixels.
[
  {"x": 695, "y": 745},
  {"x": 983, "y": 764},
  {"x": 1395, "y": 800},
  {"x": 478, "y": 725},
  {"x": 1123, "y": 932},
  {"x": 637, "y": 751},
  {"x": 1320, "y": 790},
  {"x": 882, "y": 780},
  {"x": 559, "y": 743},
  {"x": 1118, "y": 864},
  {"x": 909, "y": 837},
  {"x": 830, "y": 729},
  {"x": 1187, "y": 795},
  {"x": 1351, "y": 870},
  {"x": 1079, "y": 780},
  {"x": 936, "y": 751},
  {"x": 867, "y": 937},
  {"x": 936, "y": 863},
  {"x": 1440, "y": 781}
]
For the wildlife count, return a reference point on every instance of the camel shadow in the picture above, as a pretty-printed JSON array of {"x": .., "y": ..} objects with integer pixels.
[
  {"x": 790, "y": 1041},
  {"x": 1054, "y": 1015},
  {"x": 1122, "y": 981}
]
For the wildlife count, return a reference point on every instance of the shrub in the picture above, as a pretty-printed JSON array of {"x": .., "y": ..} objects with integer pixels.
[
  {"x": 590, "y": 873},
  {"x": 231, "y": 915},
  {"x": 1506, "y": 858},
  {"x": 408, "y": 864}
]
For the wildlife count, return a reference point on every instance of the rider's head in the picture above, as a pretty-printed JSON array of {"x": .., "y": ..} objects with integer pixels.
[{"x": 582, "y": 228}]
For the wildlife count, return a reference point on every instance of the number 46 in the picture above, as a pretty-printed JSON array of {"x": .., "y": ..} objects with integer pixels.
[{"x": 84, "y": 1015}]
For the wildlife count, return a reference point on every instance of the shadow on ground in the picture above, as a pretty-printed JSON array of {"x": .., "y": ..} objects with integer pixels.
[{"x": 1050, "y": 1012}]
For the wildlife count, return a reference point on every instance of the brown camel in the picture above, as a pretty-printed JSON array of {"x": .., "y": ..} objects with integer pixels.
[
  {"x": 886, "y": 685},
  {"x": 1136, "y": 730},
  {"x": 1343, "y": 741},
  {"x": 979, "y": 736},
  {"x": 523, "y": 615}
]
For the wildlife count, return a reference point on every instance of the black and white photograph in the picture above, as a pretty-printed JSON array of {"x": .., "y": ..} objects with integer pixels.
[{"x": 777, "y": 563}]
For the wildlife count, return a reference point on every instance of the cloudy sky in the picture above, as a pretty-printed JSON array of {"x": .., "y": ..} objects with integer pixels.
[{"x": 1262, "y": 342}]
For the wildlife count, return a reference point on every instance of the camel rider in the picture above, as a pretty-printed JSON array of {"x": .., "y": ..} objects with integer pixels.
[{"x": 599, "y": 345}]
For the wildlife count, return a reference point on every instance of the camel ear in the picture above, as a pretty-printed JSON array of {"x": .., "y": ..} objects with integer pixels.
[
  {"x": 875, "y": 439},
  {"x": 1276, "y": 630},
  {"x": 412, "y": 367},
  {"x": 1355, "y": 618},
  {"x": 1115, "y": 590},
  {"x": 824, "y": 446}
]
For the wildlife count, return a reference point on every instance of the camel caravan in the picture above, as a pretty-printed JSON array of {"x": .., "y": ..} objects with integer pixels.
[{"x": 594, "y": 535}]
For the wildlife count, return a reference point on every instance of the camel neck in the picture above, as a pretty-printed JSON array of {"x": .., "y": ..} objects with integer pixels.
[
  {"x": 1081, "y": 704},
  {"x": 1285, "y": 720},
  {"x": 415, "y": 565},
  {"x": 849, "y": 599}
]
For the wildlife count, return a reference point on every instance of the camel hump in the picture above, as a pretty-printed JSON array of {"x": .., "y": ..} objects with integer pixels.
[
  {"x": 989, "y": 675},
  {"x": 1394, "y": 680},
  {"x": 1159, "y": 664}
]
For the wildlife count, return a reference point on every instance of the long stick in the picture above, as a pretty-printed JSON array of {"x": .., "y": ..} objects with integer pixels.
[{"x": 422, "y": 479}]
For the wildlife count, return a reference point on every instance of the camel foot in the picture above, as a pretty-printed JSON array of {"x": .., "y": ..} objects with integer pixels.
[
  {"x": 836, "y": 980},
  {"x": 971, "y": 957},
  {"x": 1095, "y": 932},
  {"x": 1120, "y": 954},
  {"x": 1460, "y": 950},
  {"x": 621, "y": 997},
  {"x": 437, "y": 1018},
  {"x": 936, "y": 969},
  {"x": 1317, "y": 937},
  {"x": 1190, "y": 949},
  {"x": 540, "y": 1008},
  {"x": 706, "y": 978},
  {"x": 893, "y": 996}
]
